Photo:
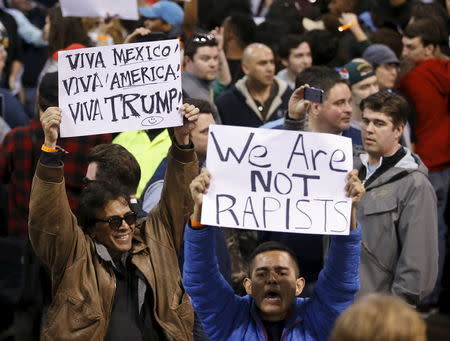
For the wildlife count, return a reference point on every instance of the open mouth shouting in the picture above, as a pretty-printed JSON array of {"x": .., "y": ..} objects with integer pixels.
[{"x": 272, "y": 296}]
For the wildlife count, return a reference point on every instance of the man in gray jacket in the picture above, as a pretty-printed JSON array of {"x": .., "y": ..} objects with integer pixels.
[{"x": 398, "y": 214}]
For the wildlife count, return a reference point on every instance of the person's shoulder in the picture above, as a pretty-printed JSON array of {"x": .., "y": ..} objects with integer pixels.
[{"x": 229, "y": 93}]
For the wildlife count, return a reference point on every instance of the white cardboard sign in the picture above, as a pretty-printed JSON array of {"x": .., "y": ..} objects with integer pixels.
[
  {"x": 277, "y": 180},
  {"x": 123, "y": 9},
  {"x": 120, "y": 88}
]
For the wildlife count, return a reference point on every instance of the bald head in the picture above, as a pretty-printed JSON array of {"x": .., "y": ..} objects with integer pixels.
[
  {"x": 258, "y": 63},
  {"x": 254, "y": 50}
]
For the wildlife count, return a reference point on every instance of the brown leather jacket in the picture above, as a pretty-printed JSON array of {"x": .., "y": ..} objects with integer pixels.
[{"x": 83, "y": 285}]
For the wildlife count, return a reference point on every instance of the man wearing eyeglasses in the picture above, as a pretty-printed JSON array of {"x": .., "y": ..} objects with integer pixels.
[{"x": 113, "y": 279}]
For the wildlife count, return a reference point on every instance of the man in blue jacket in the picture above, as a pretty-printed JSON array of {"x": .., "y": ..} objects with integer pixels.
[{"x": 271, "y": 310}]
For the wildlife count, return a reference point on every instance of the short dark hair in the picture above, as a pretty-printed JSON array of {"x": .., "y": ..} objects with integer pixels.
[
  {"x": 272, "y": 246},
  {"x": 322, "y": 53},
  {"x": 389, "y": 103},
  {"x": 198, "y": 40},
  {"x": 48, "y": 91},
  {"x": 94, "y": 198},
  {"x": 289, "y": 42},
  {"x": 429, "y": 30},
  {"x": 388, "y": 37},
  {"x": 425, "y": 10},
  {"x": 117, "y": 165},
  {"x": 202, "y": 105},
  {"x": 321, "y": 77},
  {"x": 243, "y": 27}
]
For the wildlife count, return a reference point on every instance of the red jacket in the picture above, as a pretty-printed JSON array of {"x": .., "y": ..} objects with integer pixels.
[{"x": 427, "y": 87}]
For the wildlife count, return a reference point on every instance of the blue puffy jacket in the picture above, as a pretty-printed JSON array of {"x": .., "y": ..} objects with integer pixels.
[{"x": 226, "y": 316}]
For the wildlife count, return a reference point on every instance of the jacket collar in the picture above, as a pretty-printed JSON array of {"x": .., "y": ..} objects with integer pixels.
[{"x": 277, "y": 101}]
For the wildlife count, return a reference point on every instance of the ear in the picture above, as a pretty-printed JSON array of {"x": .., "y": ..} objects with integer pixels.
[
  {"x": 314, "y": 109},
  {"x": 284, "y": 61},
  {"x": 430, "y": 50},
  {"x": 245, "y": 68},
  {"x": 187, "y": 60},
  {"x": 399, "y": 131},
  {"x": 299, "y": 286},
  {"x": 247, "y": 285}
]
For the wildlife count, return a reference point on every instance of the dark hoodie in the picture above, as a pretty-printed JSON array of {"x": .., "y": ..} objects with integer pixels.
[{"x": 427, "y": 87}]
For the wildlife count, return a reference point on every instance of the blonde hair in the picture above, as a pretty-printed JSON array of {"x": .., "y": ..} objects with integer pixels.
[{"x": 378, "y": 317}]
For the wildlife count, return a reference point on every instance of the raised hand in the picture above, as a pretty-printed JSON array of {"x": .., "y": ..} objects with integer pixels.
[
  {"x": 190, "y": 116},
  {"x": 51, "y": 120},
  {"x": 199, "y": 186},
  {"x": 218, "y": 35},
  {"x": 298, "y": 106},
  {"x": 139, "y": 31},
  {"x": 355, "y": 190}
]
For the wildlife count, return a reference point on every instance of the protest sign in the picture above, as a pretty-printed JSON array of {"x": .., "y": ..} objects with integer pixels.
[
  {"x": 123, "y": 9},
  {"x": 120, "y": 88},
  {"x": 277, "y": 180}
]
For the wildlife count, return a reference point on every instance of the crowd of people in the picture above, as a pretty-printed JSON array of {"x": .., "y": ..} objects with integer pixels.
[{"x": 100, "y": 235}]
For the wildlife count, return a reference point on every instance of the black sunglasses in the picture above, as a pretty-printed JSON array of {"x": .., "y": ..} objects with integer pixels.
[
  {"x": 115, "y": 222},
  {"x": 86, "y": 181}
]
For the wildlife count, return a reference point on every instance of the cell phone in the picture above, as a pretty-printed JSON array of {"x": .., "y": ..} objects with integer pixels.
[{"x": 313, "y": 95}]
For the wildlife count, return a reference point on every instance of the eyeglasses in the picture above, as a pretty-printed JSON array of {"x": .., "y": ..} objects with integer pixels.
[
  {"x": 203, "y": 38},
  {"x": 115, "y": 221}
]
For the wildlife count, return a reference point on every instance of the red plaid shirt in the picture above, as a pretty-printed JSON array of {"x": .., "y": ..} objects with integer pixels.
[{"x": 20, "y": 149}]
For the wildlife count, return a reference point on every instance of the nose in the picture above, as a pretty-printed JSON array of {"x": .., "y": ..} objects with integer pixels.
[
  {"x": 369, "y": 127},
  {"x": 404, "y": 53},
  {"x": 348, "y": 107},
  {"x": 213, "y": 63},
  {"x": 270, "y": 69},
  {"x": 273, "y": 277}
]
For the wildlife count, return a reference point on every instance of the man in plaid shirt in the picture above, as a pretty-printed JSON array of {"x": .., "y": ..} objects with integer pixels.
[{"x": 20, "y": 151}]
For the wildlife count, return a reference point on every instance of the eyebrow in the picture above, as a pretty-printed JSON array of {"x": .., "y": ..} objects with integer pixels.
[{"x": 266, "y": 268}]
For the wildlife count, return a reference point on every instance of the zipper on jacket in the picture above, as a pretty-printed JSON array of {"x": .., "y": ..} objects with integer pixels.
[
  {"x": 260, "y": 324},
  {"x": 285, "y": 330}
]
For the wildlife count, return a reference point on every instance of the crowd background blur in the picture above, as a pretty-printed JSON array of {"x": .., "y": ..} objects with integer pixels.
[{"x": 243, "y": 57}]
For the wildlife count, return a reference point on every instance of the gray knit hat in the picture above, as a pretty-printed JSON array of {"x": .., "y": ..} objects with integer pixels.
[{"x": 378, "y": 54}]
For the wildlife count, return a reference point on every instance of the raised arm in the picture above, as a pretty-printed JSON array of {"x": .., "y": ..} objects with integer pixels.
[
  {"x": 175, "y": 204},
  {"x": 298, "y": 107},
  {"x": 339, "y": 280},
  {"x": 212, "y": 297},
  {"x": 53, "y": 228},
  {"x": 224, "y": 75}
]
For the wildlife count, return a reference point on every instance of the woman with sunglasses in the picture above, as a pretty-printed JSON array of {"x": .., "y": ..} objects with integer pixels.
[{"x": 113, "y": 279}]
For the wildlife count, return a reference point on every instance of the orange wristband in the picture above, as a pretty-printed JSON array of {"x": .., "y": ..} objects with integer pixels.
[
  {"x": 48, "y": 149},
  {"x": 196, "y": 223},
  {"x": 346, "y": 26}
]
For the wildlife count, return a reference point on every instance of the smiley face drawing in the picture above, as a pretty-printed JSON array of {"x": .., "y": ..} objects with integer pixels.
[{"x": 152, "y": 120}]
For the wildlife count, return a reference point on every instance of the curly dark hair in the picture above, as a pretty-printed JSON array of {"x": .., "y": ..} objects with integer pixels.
[{"x": 94, "y": 198}]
